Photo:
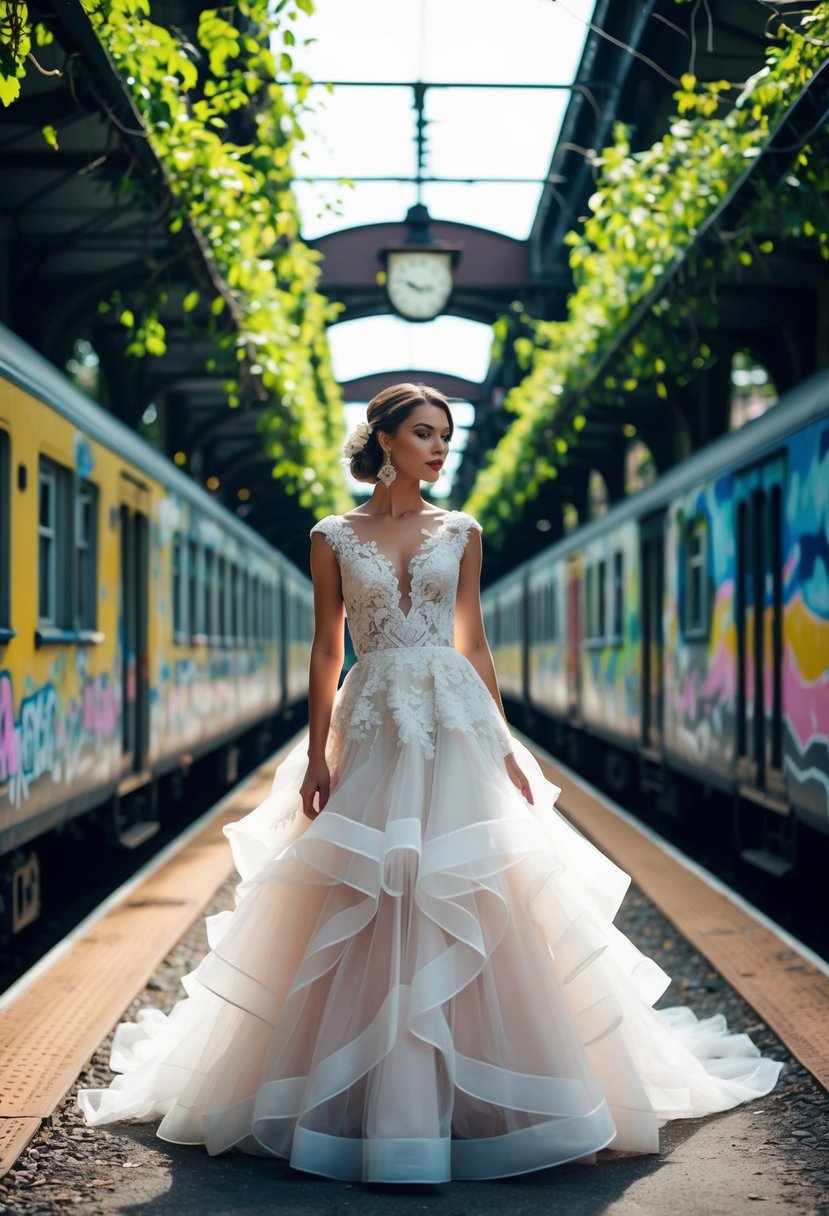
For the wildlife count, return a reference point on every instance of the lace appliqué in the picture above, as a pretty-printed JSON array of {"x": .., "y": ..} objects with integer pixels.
[
  {"x": 408, "y": 665},
  {"x": 422, "y": 689},
  {"x": 372, "y": 593}
]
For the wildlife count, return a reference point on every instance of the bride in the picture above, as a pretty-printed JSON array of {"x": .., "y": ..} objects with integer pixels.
[{"x": 420, "y": 979}]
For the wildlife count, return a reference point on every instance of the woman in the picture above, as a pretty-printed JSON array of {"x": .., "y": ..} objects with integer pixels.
[{"x": 421, "y": 979}]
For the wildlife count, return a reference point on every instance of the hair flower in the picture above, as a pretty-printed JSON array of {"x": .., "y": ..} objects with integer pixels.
[{"x": 357, "y": 440}]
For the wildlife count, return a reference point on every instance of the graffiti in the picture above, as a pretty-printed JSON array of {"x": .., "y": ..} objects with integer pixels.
[
  {"x": 704, "y": 677},
  {"x": 59, "y": 739}
]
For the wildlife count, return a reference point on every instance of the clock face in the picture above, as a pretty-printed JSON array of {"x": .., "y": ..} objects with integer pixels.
[{"x": 419, "y": 282}]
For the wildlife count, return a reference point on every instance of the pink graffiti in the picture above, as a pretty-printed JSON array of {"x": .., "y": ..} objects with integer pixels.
[
  {"x": 686, "y": 702},
  {"x": 806, "y": 705},
  {"x": 792, "y": 564},
  {"x": 100, "y": 708},
  {"x": 721, "y": 680},
  {"x": 53, "y": 735},
  {"x": 9, "y": 739}
]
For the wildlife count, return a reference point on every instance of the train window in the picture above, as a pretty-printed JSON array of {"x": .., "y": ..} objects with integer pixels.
[
  {"x": 232, "y": 577},
  {"x": 239, "y": 609},
  {"x": 192, "y": 587},
  {"x": 552, "y": 615},
  {"x": 696, "y": 576},
  {"x": 601, "y": 601},
  {"x": 228, "y": 601},
  {"x": 210, "y": 594},
  {"x": 177, "y": 559},
  {"x": 67, "y": 537},
  {"x": 221, "y": 606},
  {"x": 618, "y": 596},
  {"x": 86, "y": 545},
  {"x": 48, "y": 545},
  {"x": 589, "y": 613},
  {"x": 263, "y": 618},
  {"x": 245, "y": 602},
  {"x": 5, "y": 530},
  {"x": 253, "y": 608}
]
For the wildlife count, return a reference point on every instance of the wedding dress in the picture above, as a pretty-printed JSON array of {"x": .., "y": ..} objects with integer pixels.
[{"x": 423, "y": 982}]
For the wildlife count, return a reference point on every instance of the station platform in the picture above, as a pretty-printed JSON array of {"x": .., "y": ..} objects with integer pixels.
[{"x": 771, "y": 1155}]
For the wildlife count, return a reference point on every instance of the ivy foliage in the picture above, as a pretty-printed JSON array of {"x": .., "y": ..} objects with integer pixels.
[
  {"x": 224, "y": 113},
  {"x": 645, "y": 215}
]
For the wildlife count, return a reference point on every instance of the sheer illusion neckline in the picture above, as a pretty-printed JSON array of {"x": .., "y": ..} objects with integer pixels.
[{"x": 421, "y": 551}]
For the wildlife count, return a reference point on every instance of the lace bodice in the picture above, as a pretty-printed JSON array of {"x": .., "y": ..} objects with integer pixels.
[
  {"x": 409, "y": 671},
  {"x": 372, "y": 592}
]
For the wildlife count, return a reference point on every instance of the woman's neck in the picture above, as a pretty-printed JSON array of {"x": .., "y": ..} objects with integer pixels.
[{"x": 402, "y": 497}]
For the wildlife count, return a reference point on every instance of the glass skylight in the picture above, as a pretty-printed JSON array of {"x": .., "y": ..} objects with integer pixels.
[
  {"x": 488, "y": 132},
  {"x": 364, "y": 131},
  {"x": 448, "y": 344}
]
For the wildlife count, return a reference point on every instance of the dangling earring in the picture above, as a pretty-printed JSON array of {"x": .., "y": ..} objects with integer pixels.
[{"x": 387, "y": 472}]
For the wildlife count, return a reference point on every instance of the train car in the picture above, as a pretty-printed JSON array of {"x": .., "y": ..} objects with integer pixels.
[
  {"x": 141, "y": 624},
  {"x": 505, "y": 613},
  {"x": 688, "y": 628}
]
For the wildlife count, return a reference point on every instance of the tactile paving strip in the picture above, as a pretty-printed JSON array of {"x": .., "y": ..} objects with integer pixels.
[
  {"x": 15, "y": 1134},
  {"x": 54, "y": 1027},
  {"x": 788, "y": 992}
]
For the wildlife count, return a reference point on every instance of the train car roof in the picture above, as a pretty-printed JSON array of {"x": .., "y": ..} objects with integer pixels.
[
  {"x": 807, "y": 403},
  {"x": 29, "y": 370}
]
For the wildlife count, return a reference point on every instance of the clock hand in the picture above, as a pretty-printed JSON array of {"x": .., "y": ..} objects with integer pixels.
[{"x": 414, "y": 286}]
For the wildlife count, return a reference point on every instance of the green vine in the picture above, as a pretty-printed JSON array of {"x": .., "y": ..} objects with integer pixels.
[
  {"x": 645, "y": 215},
  {"x": 224, "y": 113}
]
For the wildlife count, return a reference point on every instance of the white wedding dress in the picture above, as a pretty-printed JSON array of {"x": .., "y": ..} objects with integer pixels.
[{"x": 423, "y": 982}]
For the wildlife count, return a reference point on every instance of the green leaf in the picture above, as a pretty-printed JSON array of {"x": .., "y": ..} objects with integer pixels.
[{"x": 9, "y": 89}]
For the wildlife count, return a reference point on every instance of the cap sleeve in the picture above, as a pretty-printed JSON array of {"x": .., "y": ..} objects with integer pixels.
[
  {"x": 328, "y": 527},
  {"x": 464, "y": 524}
]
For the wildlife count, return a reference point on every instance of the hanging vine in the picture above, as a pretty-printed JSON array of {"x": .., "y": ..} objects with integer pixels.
[
  {"x": 224, "y": 114},
  {"x": 645, "y": 214}
]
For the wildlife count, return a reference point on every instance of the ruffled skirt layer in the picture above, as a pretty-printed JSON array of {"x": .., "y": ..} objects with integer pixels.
[{"x": 423, "y": 983}]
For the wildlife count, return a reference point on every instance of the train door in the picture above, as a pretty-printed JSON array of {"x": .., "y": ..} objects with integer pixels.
[
  {"x": 574, "y": 636},
  {"x": 134, "y": 627},
  {"x": 758, "y": 611},
  {"x": 652, "y": 582}
]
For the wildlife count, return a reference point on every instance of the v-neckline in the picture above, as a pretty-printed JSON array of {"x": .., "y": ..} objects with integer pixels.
[{"x": 371, "y": 546}]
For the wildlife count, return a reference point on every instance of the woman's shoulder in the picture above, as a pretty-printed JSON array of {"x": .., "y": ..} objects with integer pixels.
[
  {"x": 465, "y": 521},
  {"x": 329, "y": 526}
]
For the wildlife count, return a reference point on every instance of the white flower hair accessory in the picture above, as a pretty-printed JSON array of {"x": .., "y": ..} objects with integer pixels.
[{"x": 357, "y": 440}]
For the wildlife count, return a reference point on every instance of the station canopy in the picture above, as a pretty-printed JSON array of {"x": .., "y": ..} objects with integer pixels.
[{"x": 456, "y": 104}]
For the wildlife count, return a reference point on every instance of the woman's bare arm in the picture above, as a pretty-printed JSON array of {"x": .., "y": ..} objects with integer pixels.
[
  {"x": 326, "y": 663},
  {"x": 470, "y": 635},
  {"x": 470, "y": 640}
]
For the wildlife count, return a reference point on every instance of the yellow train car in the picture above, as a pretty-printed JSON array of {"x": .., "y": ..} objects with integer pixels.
[{"x": 141, "y": 624}]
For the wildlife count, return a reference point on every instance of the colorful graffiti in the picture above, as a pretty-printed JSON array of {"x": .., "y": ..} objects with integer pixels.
[
  {"x": 55, "y": 738},
  {"x": 703, "y": 694},
  {"x": 610, "y": 668}
]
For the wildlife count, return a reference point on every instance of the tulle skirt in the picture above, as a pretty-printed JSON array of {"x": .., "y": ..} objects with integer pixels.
[{"x": 422, "y": 983}]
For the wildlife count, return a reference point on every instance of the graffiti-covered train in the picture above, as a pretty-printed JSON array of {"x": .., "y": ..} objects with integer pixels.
[
  {"x": 142, "y": 625},
  {"x": 687, "y": 630}
]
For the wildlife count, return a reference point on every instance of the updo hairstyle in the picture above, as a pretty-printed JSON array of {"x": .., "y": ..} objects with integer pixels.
[{"x": 386, "y": 412}]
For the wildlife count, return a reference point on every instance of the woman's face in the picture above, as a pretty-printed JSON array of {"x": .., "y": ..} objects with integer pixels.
[{"x": 420, "y": 446}]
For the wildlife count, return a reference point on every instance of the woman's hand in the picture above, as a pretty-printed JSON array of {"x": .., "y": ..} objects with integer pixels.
[
  {"x": 516, "y": 776},
  {"x": 315, "y": 781}
]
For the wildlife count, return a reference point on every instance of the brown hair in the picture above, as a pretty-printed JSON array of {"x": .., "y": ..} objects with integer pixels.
[{"x": 386, "y": 412}]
